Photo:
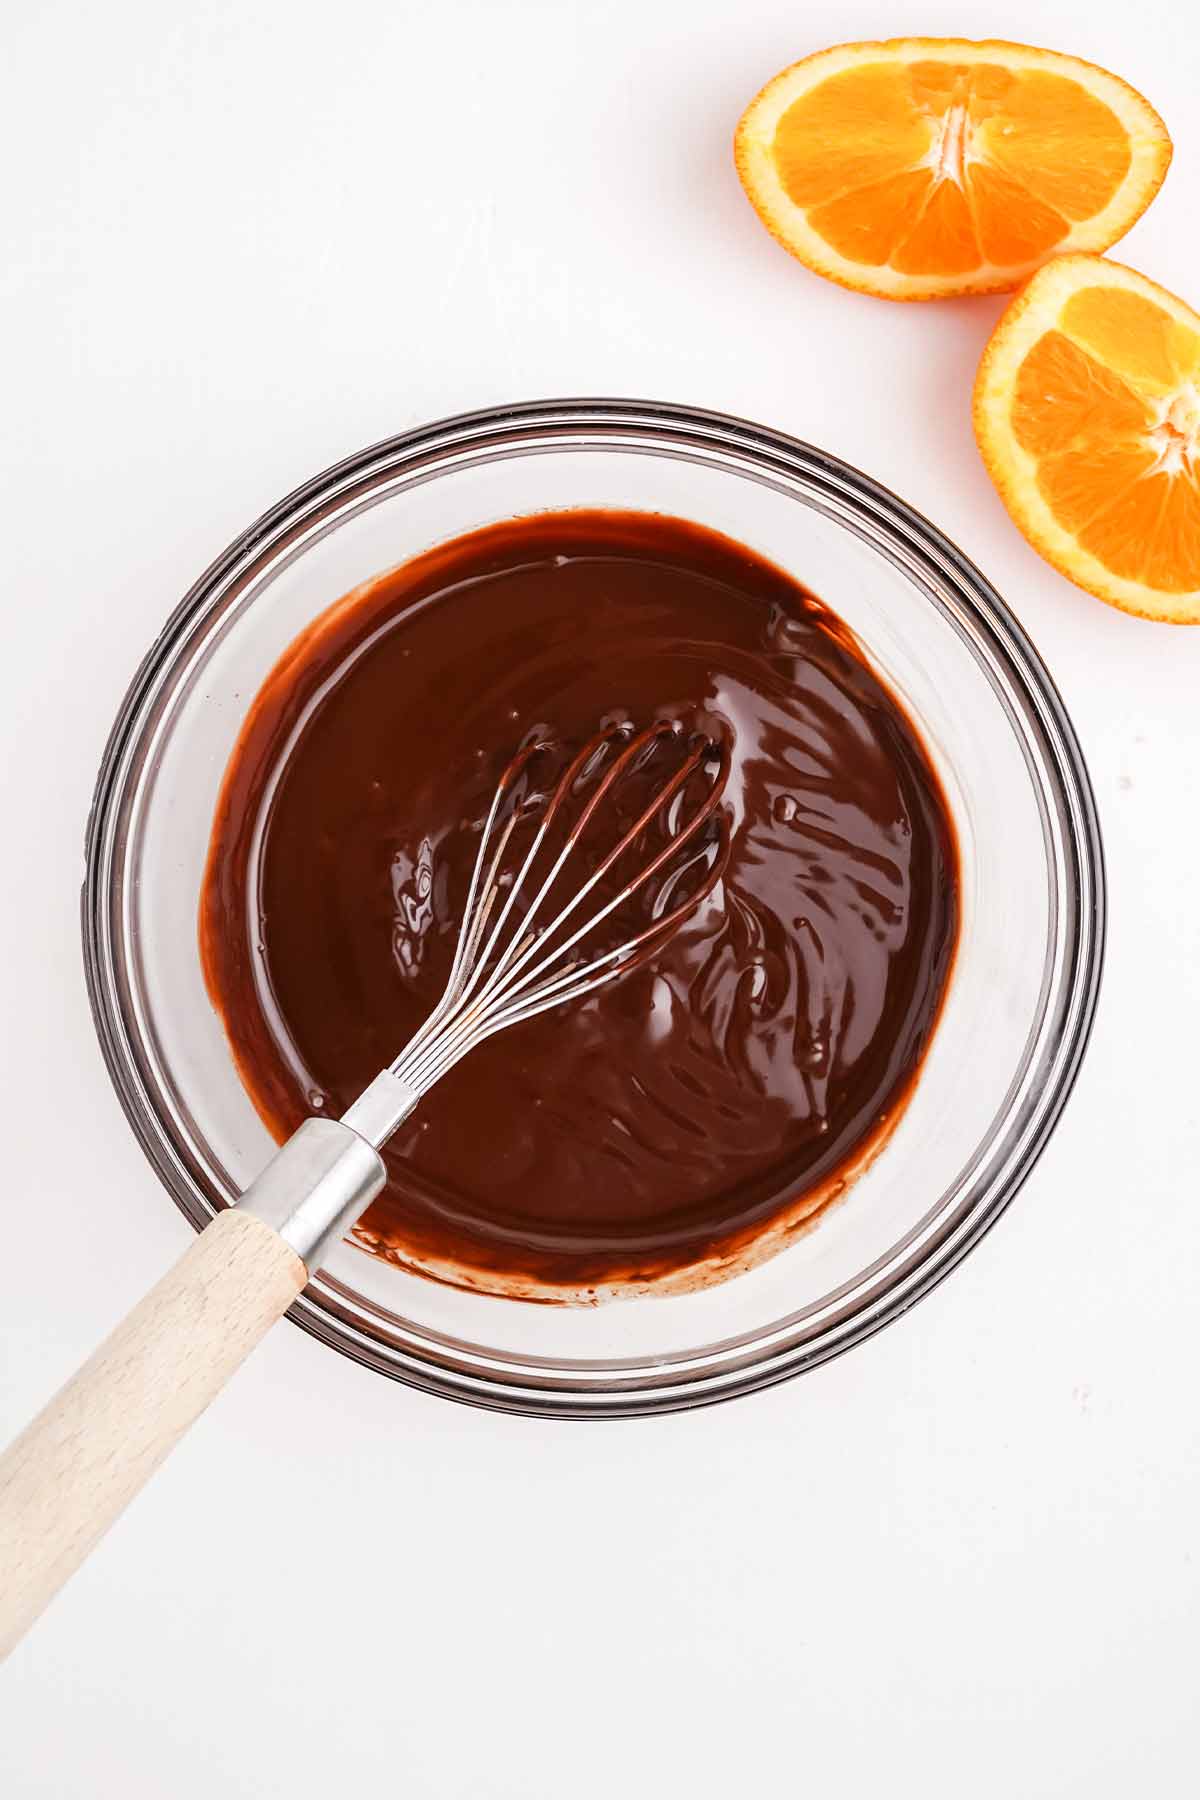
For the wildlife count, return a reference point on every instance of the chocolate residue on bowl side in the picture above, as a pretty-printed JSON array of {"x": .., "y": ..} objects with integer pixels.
[{"x": 675, "y": 1127}]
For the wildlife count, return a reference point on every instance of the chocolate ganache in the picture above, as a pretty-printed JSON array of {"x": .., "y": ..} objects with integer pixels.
[{"x": 675, "y": 1127}]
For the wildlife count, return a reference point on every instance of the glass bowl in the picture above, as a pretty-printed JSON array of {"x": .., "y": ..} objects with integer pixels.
[{"x": 1022, "y": 996}]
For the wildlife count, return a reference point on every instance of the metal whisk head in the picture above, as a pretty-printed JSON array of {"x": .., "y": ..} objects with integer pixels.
[
  {"x": 549, "y": 888},
  {"x": 533, "y": 929}
]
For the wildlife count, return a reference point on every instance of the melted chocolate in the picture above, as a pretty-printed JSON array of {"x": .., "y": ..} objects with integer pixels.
[{"x": 683, "y": 1122}]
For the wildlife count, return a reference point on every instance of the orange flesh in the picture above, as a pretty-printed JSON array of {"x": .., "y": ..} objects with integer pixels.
[
  {"x": 940, "y": 167},
  {"x": 1110, "y": 408}
]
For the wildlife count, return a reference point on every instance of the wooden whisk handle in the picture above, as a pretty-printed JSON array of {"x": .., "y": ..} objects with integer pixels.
[{"x": 75, "y": 1468}]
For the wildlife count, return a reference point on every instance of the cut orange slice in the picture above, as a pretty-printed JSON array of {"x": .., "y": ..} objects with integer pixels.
[
  {"x": 1087, "y": 412},
  {"x": 931, "y": 166}
]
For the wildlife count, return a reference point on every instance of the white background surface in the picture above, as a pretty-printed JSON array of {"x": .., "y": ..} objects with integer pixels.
[{"x": 244, "y": 239}]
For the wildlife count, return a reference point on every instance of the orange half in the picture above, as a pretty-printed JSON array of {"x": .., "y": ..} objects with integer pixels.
[
  {"x": 927, "y": 167},
  {"x": 1087, "y": 413}
]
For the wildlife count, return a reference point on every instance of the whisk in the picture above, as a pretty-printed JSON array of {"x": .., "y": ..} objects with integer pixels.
[
  {"x": 511, "y": 963},
  {"x": 553, "y": 882}
]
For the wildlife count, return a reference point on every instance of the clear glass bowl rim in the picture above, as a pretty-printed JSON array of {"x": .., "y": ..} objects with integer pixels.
[{"x": 884, "y": 520}]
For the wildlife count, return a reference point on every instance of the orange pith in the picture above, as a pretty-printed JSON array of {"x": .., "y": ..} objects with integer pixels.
[
  {"x": 1087, "y": 412},
  {"x": 928, "y": 167}
]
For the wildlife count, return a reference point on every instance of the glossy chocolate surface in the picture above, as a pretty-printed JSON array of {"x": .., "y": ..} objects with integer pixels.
[{"x": 672, "y": 1128}]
